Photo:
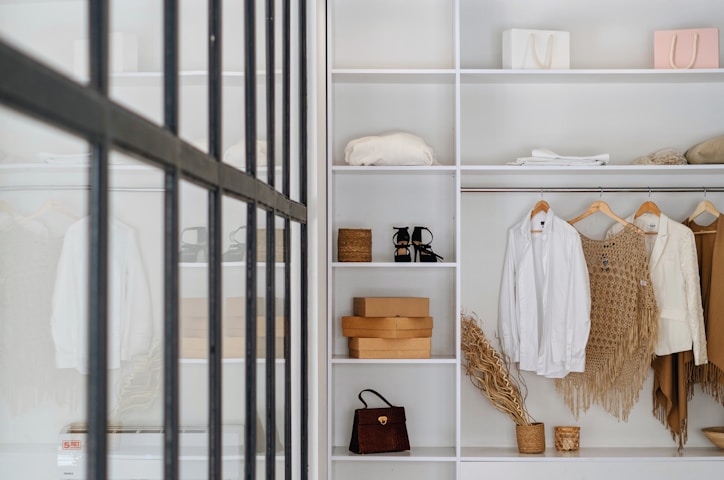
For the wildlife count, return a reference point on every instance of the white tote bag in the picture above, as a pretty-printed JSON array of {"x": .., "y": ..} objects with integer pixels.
[{"x": 536, "y": 49}]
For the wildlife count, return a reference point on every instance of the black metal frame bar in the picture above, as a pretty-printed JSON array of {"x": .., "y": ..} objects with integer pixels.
[
  {"x": 171, "y": 388},
  {"x": 32, "y": 88},
  {"x": 304, "y": 331},
  {"x": 97, "y": 391}
]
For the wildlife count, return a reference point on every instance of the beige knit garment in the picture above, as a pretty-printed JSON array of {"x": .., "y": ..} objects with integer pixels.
[{"x": 623, "y": 326}]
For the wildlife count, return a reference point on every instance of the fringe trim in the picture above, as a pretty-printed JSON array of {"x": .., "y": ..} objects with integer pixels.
[
  {"x": 711, "y": 378},
  {"x": 615, "y": 387},
  {"x": 680, "y": 437}
]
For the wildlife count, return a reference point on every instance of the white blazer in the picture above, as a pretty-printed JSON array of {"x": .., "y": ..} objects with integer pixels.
[
  {"x": 674, "y": 272},
  {"x": 545, "y": 305}
]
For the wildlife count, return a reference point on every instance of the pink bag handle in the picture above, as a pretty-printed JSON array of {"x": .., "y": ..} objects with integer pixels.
[{"x": 693, "y": 52}]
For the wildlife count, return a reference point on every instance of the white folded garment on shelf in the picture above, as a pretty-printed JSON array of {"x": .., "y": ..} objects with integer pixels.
[
  {"x": 544, "y": 156},
  {"x": 397, "y": 148}
]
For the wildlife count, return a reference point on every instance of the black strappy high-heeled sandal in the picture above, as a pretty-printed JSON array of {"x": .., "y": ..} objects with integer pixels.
[
  {"x": 194, "y": 252},
  {"x": 401, "y": 241},
  {"x": 237, "y": 249},
  {"x": 423, "y": 251}
]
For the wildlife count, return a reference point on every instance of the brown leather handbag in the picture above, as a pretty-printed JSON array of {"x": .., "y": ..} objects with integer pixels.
[{"x": 377, "y": 430}]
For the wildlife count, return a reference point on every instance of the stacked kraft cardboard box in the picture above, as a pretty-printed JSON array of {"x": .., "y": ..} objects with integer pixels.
[
  {"x": 389, "y": 327},
  {"x": 194, "y": 328}
]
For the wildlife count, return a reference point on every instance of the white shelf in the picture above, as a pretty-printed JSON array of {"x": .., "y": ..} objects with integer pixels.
[
  {"x": 393, "y": 170},
  {"x": 433, "y": 360},
  {"x": 393, "y": 264},
  {"x": 227, "y": 361},
  {"x": 606, "y": 76},
  {"x": 610, "y": 169},
  {"x": 418, "y": 454},
  {"x": 193, "y": 265},
  {"x": 478, "y": 454}
]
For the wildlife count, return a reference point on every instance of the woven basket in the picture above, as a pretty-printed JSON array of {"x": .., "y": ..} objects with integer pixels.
[
  {"x": 531, "y": 438},
  {"x": 567, "y": 438},
  {"x": 354, "y": 245}
]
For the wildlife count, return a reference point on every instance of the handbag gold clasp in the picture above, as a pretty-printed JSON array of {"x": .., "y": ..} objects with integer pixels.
[{"x": 382, "y": 419}]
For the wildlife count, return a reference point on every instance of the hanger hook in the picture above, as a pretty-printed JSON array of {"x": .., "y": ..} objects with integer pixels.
[
  {"x": 649, "y": 192},
  {"x": 600, "y": 194},
  {"x": 704, "y": 192},
  {"x": 541, "y": 193}
]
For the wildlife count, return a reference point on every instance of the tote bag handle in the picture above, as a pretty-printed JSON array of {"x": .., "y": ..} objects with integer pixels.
[
  {"x": 549, "y": 51},
  {"x": 693, "y": 52}
]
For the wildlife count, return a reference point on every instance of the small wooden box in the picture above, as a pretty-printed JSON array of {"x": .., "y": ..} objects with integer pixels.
[
  {"x": 387, "y": 327},
  {"x": 390, "y": 347},
  {"x": 391, "y": 306}
]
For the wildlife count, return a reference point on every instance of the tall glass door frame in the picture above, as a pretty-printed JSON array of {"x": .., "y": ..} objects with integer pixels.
[{"x": 32, "y": 88}]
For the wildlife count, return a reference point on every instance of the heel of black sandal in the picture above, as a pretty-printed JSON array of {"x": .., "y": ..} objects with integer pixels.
[{"x": 423, "y": 251}]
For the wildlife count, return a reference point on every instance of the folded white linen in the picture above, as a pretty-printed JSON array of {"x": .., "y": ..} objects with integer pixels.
[{"x": 544, "y": 156}]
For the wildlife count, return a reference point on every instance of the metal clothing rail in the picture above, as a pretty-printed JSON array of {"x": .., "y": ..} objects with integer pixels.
[{"x": 591, "y": 189}]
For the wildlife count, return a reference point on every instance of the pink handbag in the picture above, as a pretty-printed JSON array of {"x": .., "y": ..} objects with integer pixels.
[{"x": 690, "y": 48}]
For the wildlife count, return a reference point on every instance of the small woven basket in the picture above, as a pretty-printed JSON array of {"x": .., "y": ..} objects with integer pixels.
[
  {"x": 531, "y": 438},
  {"x": 567, "y": 438},
  {"x": 354, "y": 245}
]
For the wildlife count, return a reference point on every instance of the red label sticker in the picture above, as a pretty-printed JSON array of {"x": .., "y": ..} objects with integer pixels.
[{"x": 71, "y": 444}]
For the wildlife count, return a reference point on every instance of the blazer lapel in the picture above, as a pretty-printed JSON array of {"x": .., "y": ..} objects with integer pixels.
[{"x": 660, "y": 242}]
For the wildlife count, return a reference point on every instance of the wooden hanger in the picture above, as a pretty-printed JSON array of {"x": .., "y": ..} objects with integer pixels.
[
  {"x": 705, "y": 206},
  {"x": 648, "y": 207},
  {"x": 541, "y": 206},
  {"x": 598, "y": 206},
  {"x": 50, "y": 206}
]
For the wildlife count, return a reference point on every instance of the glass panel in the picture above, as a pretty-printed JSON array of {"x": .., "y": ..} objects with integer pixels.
[
  {"x": 262, "y": 161},
  {"x": 135, "y": 306},
  {"x": 233, "y": 111},
  {"x": 193, "y": 75},
  {"x": 233, "y": 335},
  {"x": 294, "y": 114},
  {"x": 194, "y": 330},
  {"x": 54, "y": 32},
  {"x": 295, "y": 298},
  {"x": 135, "y": 61},
  {"x": 261, "y": 344},
  {"x": 43, "y": 292},
  {"x": 278, "y": 93},
  {"x": 280, "y": 333}
]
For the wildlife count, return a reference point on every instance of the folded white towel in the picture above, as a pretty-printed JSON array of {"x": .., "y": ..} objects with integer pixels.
[
  {"x": 544, "y": 156},
  {"x": 398, "y": 148}
]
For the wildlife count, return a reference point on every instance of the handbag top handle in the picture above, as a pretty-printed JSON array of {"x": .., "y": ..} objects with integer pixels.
[{"x": 372, "y": 391}]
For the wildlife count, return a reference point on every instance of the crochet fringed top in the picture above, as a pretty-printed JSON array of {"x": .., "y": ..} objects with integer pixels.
[{"x": 623, "y": 326}]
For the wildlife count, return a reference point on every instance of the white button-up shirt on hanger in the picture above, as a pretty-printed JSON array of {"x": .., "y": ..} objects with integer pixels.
[{"x": 545, "y": 301}]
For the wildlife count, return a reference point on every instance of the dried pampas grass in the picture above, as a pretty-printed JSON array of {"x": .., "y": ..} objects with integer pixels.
[{"x": 490, "y": 373}]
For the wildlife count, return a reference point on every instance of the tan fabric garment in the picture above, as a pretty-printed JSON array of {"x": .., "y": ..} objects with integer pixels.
[
  {"x": 624, "y": 326},
  {"x": 672, "y": 391},
  {"x": 710, "y": 250}
]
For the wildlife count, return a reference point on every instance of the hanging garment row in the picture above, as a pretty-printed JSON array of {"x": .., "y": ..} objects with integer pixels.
[{"x": 594, "y": 313}]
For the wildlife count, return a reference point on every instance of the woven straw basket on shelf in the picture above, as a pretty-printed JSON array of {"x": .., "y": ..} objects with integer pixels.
[
  {"x": 354, "y": 245},
  {"x": 567, "y": 438},
  {"x": 531, "y": 438}
]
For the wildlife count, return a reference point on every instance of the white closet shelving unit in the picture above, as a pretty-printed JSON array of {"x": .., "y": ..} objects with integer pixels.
[{"x": 433, "y": 68}]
